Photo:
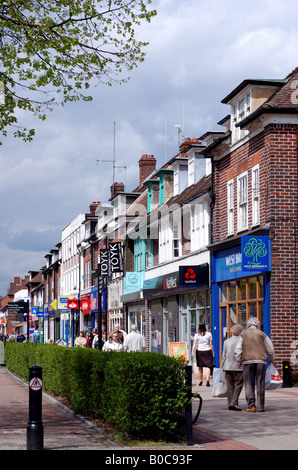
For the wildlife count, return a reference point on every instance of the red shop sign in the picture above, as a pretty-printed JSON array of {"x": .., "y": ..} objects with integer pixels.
[{"x": 85, "y": 305}]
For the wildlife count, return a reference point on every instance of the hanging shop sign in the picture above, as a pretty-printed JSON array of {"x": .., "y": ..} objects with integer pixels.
[
  {"x": 104, "y": 262},
  {"x": 111, "y": 260},
  {"x": 94, "y": 300},
  {"x": 85, "y": 305},
  {"x": 73, "y": 304},
  {"x": 133, "y": 281},
  {"x": 115, "y": 258},
  {"x": 255, "y": 252},
  {"x": 194, "y": 276}
]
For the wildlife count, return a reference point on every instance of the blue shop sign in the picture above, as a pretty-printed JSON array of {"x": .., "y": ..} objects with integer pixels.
[
  {"x": 232, "y": 263},
  {"x": 94, "y": 300},
  {"x": 133, "y": 282},
  {"x": 255, "y": 253}
]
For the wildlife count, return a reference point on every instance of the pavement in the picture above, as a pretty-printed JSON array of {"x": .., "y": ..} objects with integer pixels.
[{"x": 216, "y": 428}]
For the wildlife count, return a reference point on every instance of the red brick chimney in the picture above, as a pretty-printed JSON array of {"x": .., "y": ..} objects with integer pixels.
[
  {"x": 147, "y": 165},
  {"x": 93, "y": 207},
  {"x": 24, "y": 282},
  {"x": 116, "y": 188}
]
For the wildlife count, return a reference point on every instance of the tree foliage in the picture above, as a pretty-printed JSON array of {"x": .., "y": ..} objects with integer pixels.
[{"x": 52, "y": 51}]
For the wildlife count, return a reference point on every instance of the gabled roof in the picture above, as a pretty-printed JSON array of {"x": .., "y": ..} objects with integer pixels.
[
  {"x": 283, "y": 100},
  {"x": 253, "y": 81}
]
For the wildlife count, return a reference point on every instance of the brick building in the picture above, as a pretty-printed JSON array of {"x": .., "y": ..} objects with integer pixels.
[{"x": 255, "y": 195}]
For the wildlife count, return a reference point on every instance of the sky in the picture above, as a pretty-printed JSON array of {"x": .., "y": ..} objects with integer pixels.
[{"x": 198, "y": 52}]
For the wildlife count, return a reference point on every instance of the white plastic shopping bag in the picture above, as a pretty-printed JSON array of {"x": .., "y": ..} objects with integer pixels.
[
  {"x": 219, "y": 387},
  {"x": 272, "y": 379}
]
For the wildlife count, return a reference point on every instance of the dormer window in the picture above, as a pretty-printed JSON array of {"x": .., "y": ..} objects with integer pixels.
[
  {"x": 180, "y": 178},
  {"x": 197, "y": 168},
  {"x": 240, "y": 110}
]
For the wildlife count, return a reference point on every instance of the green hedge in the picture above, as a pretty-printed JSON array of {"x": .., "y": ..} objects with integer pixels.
[{"x": 138, "y": 393}]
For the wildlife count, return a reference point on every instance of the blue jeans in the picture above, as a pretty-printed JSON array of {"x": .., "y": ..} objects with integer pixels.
[{"x": 254, "y": 374}]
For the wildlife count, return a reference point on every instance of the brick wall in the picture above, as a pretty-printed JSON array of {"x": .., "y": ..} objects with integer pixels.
[{"x": 276, "y": 150}]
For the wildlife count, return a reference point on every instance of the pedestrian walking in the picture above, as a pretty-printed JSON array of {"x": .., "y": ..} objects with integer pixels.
[
  {"x": 20, "y": 338},
  {"x": 134, "y": 341},
  {"x": 204, "y": 352},
  {"x": 119, "y": 333},
  {"x": 88, "y": 339},
  {"x": 251, "y": 351},
  {"x": 233, "y": 370},
  {"x": 113, "y": 344},
  {"x": 80, "y": 340},
  {"x": 12, "y": 337}
]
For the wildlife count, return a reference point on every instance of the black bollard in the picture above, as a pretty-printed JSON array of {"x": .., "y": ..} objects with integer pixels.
[{"x": 35, "y": 426}]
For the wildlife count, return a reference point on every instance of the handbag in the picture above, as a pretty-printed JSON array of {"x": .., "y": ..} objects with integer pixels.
[
  {"x": 219, "y": 387},
  {"x": 272, "y": 378}
]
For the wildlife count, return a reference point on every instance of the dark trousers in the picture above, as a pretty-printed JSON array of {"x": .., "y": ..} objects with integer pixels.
[
  {"x": 254, "y": 375},
  {"x": 234, "y": 386}
]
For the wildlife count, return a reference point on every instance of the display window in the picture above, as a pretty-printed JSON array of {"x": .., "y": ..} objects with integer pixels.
[{"x": 239, "y": 300}]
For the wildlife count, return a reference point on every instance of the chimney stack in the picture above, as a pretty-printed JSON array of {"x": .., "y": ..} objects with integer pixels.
[
  {"x": 116, "y": 188},
  {"x": 147, "y": 165},
  {"x": 93, "y": 207}
]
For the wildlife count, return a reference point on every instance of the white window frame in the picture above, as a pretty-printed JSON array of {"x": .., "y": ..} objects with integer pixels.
[
  {"x": 230, "y": 204},
  {"x": 199, "y": 225},
  {"x": 164, "y": 242},
  {"x": 255, "y": 181},
  {"x": 175, "y": 225},
  {"x": 242, "y": 201},
  {"x": 240, "y": 109}
]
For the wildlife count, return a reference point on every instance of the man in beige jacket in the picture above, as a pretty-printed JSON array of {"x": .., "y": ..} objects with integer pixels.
[{"x": 251, "y": 351}]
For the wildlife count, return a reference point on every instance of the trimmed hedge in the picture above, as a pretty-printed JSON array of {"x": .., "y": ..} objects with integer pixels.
[{"x": 138, "y": 393}]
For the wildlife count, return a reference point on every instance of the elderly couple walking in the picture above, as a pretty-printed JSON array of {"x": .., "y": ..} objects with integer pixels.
[{"x": 244, "y": 361}]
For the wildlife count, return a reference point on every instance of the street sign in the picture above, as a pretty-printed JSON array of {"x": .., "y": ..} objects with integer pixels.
[
  {"x": 18, "y": 307},
  {"x": 62, "y": 302},
  {"x": 54, "y": 304},
  {"x": 35, "y": 383}
]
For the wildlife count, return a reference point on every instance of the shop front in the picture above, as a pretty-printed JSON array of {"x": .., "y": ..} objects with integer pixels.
[
  {"x": 240, "y": 287},
  {"x": 178, "y": 302},
  {"x": 135, "y": 306}
]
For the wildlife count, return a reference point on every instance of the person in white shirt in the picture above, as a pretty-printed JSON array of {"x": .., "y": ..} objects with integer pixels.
[
  {"x": 134, "y": 341},
  {"x": 113, "y": 344},
  {"x": 203, "y": 350}
]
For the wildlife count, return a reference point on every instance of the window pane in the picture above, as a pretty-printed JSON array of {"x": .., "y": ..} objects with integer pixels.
[
  {"x": 201, "y": 299},
  {"x": 232, "y": 291},
  {"x": 252, "y": 288},
  {"x": 223, "y": 292},
  {"x": 184, "y": 301},
  {"x": 233, "y": 318},
  {"x": 193, "y": 300},
  {"x": 252, "y": 309},
  {"x": 242, "y": 315},
  {"x": 242, "y": 290},
  {"x": 261, "y": 287}
]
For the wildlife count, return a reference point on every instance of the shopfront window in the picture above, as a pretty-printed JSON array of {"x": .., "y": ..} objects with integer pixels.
[
  {"x": 136, "y": 316},
  {"x": 171, "y": 321},
  {"x": 156, "y": 326},
  {"x": 242, "y": 299}
]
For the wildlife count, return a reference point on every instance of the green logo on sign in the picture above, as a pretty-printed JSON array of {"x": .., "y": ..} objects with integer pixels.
[{"x": 255, "y": 249}]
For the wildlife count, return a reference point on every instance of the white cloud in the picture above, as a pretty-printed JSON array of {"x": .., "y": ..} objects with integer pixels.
[{"x": 198, "y": 52}]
